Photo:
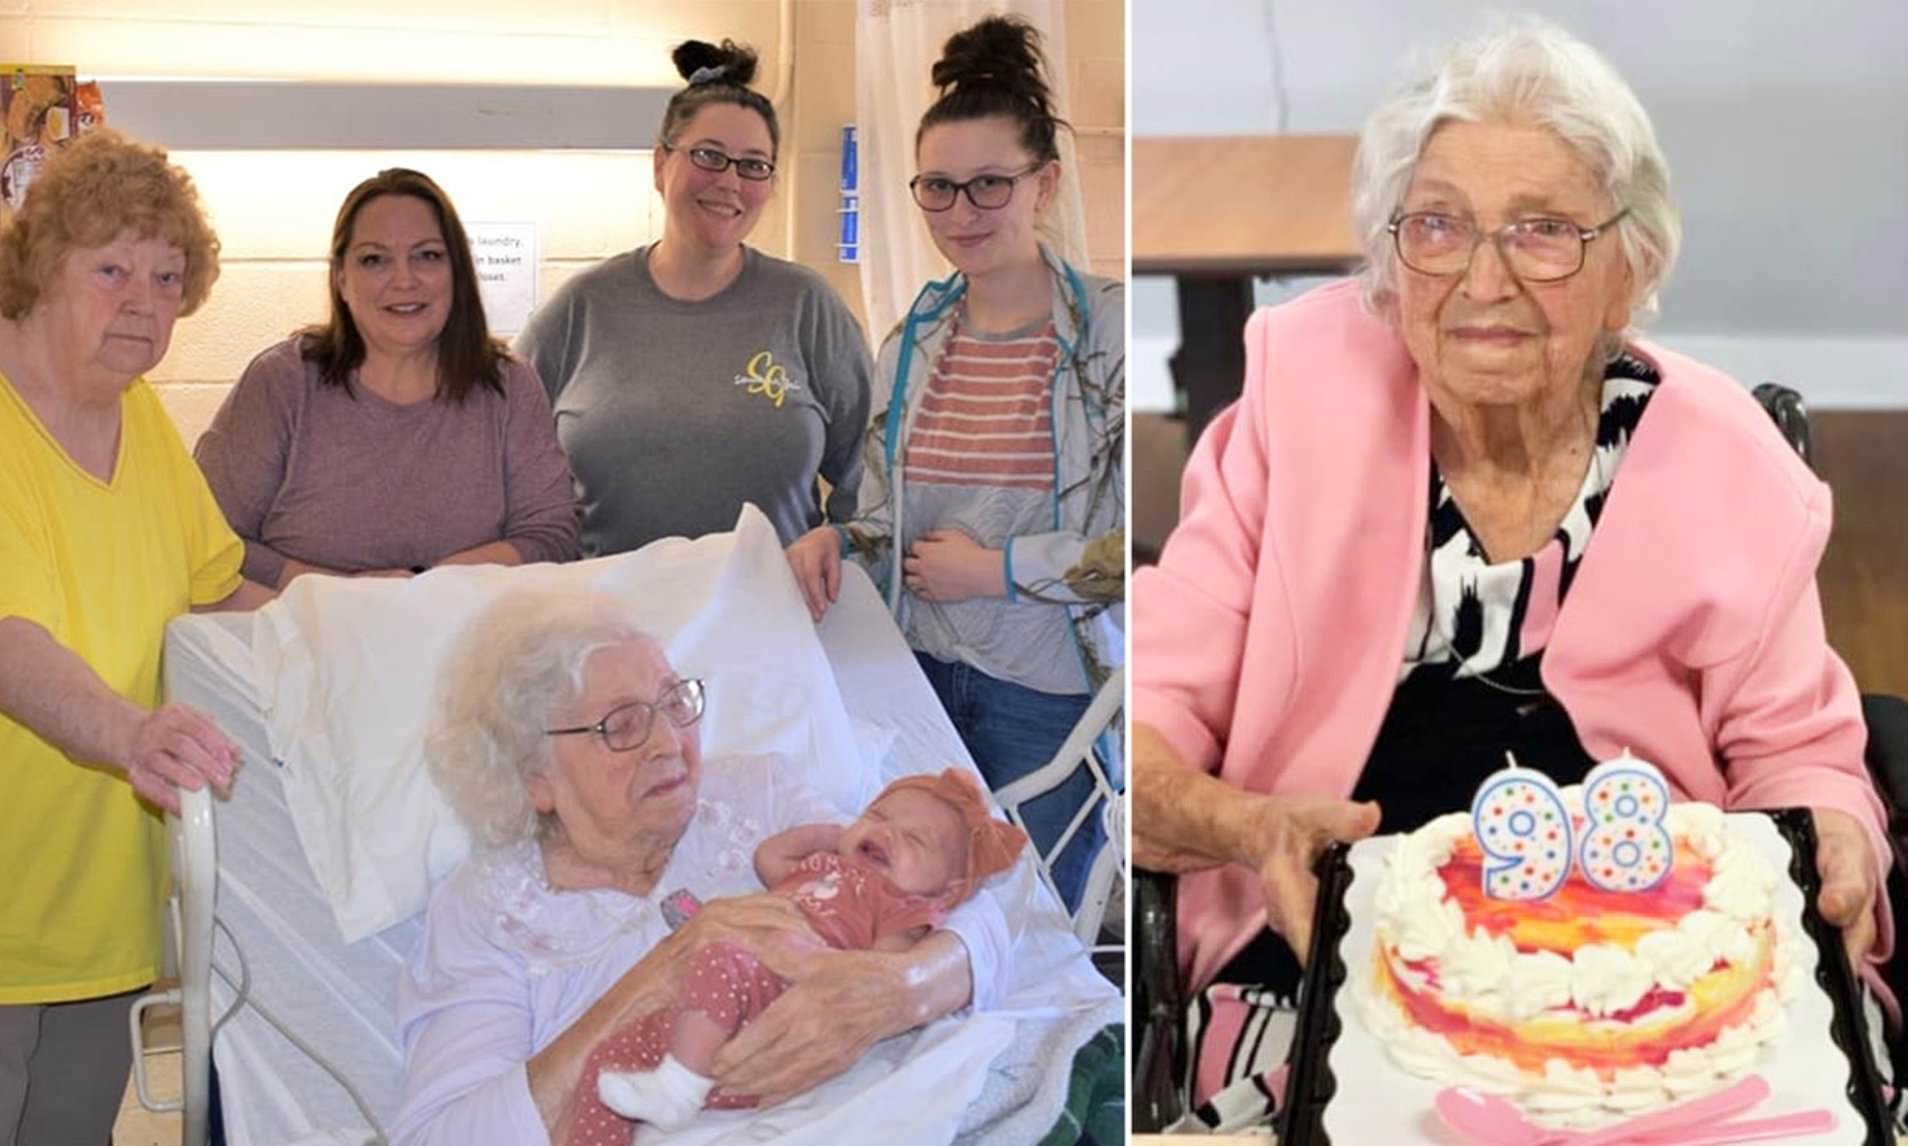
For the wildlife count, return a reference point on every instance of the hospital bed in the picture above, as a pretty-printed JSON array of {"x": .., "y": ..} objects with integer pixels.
[{"x": 300, "y": 1022}]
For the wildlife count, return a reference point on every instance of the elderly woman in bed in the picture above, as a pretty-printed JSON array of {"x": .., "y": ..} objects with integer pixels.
[
  {"x": 1467, "y": 513},
  {"x": 568, "y": 747}
]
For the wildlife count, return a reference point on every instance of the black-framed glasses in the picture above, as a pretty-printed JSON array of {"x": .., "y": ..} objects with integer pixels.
[
  {"x": 626, "y": 727},
  {"x": 710, "y": 159},
  {"x": 988, "y": 192},
  {"x": 1537, "y": 250}
]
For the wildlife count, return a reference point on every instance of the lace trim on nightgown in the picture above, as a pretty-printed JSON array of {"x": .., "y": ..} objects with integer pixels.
[{"x": 542, "y": 923}]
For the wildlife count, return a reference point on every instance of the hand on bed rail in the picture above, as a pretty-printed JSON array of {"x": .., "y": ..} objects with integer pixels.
[
  {"x": 47, "y": 687},
  {"x": 815, "y": 559},
  {"x": 175, "y": 747}
]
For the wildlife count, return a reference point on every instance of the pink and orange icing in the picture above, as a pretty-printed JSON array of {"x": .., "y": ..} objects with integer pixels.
[{"x": 1586, "y": 998}]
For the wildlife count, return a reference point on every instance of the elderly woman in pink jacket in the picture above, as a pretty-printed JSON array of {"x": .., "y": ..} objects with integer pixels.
[{"x": 1459, "y": 510}]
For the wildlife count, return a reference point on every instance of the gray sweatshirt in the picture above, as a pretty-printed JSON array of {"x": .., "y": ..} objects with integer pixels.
[{"x": 675, "y": 413}]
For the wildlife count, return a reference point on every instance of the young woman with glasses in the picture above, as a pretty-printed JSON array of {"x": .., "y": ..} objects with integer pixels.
[
  {"x": 991, "y": 500},
  {"x": 695, "y": 374}
]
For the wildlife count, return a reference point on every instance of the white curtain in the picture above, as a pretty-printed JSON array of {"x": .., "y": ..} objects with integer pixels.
[{"x": 896, "y": 44}]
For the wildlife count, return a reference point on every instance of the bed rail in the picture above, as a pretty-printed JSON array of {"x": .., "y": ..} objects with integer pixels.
[
  {"x": 195, "y": 867},
  {"x": 1078, "y": 751}
]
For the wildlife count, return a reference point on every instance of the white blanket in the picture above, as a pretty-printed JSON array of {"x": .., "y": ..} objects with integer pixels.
[{"x": 912, "y": 1089}]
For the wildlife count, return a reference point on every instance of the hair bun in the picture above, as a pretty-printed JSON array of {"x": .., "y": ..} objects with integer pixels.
[
  {"x": 737, "y": 61},
  {"x": 1000, "y": 51}
]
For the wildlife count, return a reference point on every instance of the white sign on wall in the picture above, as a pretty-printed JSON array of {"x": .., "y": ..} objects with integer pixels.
[{"x": 506, "y": 258}]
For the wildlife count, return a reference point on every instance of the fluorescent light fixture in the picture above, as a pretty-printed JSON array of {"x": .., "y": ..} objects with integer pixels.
[{"x": 221, "y": 114}]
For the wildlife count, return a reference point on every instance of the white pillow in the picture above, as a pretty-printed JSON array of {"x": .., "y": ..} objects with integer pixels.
[{"x": 348, "y": 670}]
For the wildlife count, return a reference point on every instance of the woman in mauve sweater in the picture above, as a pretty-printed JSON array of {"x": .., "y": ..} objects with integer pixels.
[{"x": 400, "y": 435}]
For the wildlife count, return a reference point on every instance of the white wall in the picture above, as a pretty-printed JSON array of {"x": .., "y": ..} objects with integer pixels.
[
  {"x": 273, "y": 209},
  {"x": 1786, "y": 127}
]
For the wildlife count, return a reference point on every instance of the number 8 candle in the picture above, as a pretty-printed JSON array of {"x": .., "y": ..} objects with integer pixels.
[
  {"x": 1523, "y": 827},
  {"x": 1624, "y": 846}
]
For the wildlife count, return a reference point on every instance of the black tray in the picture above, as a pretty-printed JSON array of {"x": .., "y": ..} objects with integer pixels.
[{"x": 1311, "y": 1085}]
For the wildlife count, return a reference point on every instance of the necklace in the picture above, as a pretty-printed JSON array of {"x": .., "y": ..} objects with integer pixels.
[
  {"x": 1598, "y": 486},
  {"x": 1484, "y": 678}
]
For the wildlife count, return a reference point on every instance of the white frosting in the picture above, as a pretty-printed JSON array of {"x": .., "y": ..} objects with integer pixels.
[
  {"x": 1720, "y": 936},
  {"x": 1564, "y": 1090},
  {"x": 1428, "y": 927},
  {"x": 1490, "y": 1073},
  {"x": 1477, "y": 965},
  {"x": 1676, "y": 958},
  {"x": 1701, "y": 826},
  {"x": 1606, "y": 979},
  {"x": 1487, "y": 975},
  {"x": 1740, "y": 885},
  {"x": 1539, "y": 981},
  {"x": 1634, "y": 1089}
]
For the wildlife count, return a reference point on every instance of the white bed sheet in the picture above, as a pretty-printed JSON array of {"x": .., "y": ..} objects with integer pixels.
[{"x": 338, "y": 997}]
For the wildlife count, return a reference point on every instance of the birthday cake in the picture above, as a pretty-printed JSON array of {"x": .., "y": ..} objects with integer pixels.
[{"x": 1578, "y": 962}]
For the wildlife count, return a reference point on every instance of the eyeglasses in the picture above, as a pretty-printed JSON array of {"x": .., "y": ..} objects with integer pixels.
[
  {"x": 626, "y": 727},
  {"x": 988, "y": 192},
  {"x": 1535, "y": 250},
  {"x": 709, "y": 159}
]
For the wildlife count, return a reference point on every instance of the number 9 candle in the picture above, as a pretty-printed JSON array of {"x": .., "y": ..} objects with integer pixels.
[{"x": 1523, "y": 827}]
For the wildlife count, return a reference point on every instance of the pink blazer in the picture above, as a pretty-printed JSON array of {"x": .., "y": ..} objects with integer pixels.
[{"x": 1267, "y": 642}]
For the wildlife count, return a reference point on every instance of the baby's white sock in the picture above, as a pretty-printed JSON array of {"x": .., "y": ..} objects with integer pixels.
[{"x": 666, "y": 1098}]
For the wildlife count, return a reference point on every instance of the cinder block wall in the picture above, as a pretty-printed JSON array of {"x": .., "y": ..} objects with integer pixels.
[
  {"x": 1096, "y": 79},
  {"x": 273, "y": 210}
]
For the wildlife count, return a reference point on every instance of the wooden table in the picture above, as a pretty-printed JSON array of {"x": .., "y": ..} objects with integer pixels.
[{"x": 1216, "y": 211}]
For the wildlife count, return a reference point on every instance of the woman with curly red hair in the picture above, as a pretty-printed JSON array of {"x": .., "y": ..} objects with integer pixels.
[{"x": 107, "y": 531}]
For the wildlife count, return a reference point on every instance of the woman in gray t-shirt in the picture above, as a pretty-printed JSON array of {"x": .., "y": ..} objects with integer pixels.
[{"x": 695, "y": 374}]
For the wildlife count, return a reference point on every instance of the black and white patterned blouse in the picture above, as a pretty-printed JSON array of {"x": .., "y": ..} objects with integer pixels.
[{"x": 1474, "y": 617}]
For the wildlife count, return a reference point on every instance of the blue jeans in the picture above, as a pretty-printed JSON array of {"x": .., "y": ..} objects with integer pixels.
[{"x": 1011, "y": 730}]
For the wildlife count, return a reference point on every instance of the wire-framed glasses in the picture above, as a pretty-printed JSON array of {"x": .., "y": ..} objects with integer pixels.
[
  {"x": 747, "y": 166},
  {"x": 626, "y": 727},
  {"x": 988, "y": 192},
  {"x": 1537, "y": 250}
]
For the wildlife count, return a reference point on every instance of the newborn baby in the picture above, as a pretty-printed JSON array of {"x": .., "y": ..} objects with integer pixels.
[{"x": 881, "y": 883}]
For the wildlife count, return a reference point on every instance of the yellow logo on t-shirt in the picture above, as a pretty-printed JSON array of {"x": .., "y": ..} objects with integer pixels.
[{"x": 766, "y": 377}]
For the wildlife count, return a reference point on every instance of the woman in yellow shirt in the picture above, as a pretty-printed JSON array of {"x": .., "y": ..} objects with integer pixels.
[{"x": 107, "y": 531}]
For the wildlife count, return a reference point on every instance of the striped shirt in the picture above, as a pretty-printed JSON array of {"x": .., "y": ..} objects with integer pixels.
[{"x": 986, "y": 418}]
